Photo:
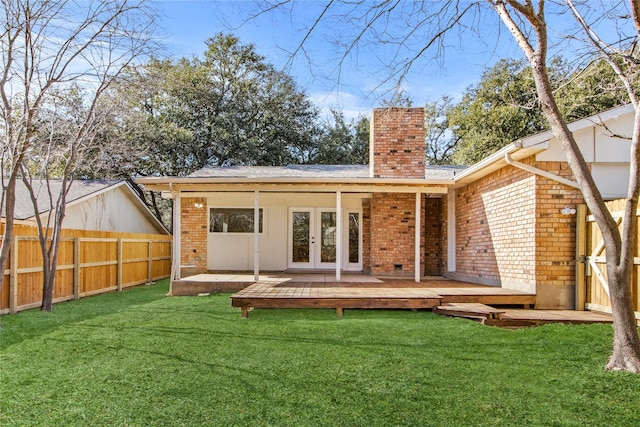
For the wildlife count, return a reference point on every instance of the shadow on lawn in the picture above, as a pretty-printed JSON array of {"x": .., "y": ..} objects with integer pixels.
[{"x": 30, "y": 324}]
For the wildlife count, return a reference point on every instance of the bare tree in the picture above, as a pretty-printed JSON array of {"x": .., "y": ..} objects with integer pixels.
[
  {"x": 52, "y": 48},
  {"x": 419, "y": 31},
  {"x": 527, "y": 24}
]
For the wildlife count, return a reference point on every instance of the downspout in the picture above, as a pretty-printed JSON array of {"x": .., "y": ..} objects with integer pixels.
[{"x": 540, "y": 172}]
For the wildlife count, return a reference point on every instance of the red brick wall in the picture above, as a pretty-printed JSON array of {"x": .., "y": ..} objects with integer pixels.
[
  {"x": 510, "y": 231},
  {"x": 434, "y": 245},
  {"x": 398, "y": 143},
  {"x": 393, "y": 234},
  {"x": 495, "y": 228},
  {"x": 193, "y": 235},
  {"x": 555, "y": 236}
]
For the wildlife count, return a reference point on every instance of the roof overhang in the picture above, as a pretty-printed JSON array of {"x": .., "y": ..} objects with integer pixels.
[
  {"x": 295, "y": 185},
  {"x": 518, "y": 150}
]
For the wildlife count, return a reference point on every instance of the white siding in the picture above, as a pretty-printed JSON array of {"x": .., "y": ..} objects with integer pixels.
[
  {"x": 235, "y": 251},
  {"x": 609, "y": 156},
  {"x": 113, "y": 210}
]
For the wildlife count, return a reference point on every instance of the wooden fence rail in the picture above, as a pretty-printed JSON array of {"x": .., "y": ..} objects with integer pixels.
[
  {"x": 89, "y": 263},
  {"x": 591, "y": 274}
]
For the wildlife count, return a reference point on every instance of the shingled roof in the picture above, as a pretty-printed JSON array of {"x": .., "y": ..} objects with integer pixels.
[{"x": 310, "y": 171}]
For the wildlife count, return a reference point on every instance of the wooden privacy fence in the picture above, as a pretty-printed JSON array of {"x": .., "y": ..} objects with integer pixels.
[
  {"x": 89, "y": 263},
  {"x": 591, "y": 273}
]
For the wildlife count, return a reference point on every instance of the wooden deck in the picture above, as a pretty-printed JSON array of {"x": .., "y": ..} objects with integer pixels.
[
  {"x": 371, "y": 293},
  {"x": 508, "y": 317}
]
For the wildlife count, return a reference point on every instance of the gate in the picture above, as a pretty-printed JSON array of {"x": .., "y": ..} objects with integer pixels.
[{"x": 592, "y": 290}]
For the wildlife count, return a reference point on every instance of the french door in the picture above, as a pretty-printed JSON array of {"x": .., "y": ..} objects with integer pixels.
[{"x": 313, "y": 239}]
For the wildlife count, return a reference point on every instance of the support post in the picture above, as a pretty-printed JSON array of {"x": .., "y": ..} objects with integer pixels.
[
  {"x": 256, "y": 235},
  {"x": 149, "y": 262},
  {"x": 13, "y": 277},
  {"x": 119, "y": 267},
  {"x": 417, "y": 237},
  {"x": 338, "y": 234},
  {"x": 76, "y": 268},
  {"x": 175, "y": 264},
  {"x": 451, "y": 231},
  {"x": 581, "y": 256}
]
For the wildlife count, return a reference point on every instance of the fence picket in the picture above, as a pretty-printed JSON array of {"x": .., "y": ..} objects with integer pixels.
[{"x": 98, "y": 266}]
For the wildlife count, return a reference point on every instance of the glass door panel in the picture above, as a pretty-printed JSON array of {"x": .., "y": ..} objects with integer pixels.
[
  {"x": 327, "y": 237},
  {"x": 354, "y": 238},
  {"x": 300, "y": 237}
]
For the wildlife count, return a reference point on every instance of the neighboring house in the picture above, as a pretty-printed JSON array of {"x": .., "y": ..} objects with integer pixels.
[
  {"x": 507, "y": 221},
  {"x": 102, "y": 205}
]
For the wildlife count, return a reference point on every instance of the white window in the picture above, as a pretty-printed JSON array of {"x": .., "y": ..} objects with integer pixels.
[{"x": 232, "y": 220}]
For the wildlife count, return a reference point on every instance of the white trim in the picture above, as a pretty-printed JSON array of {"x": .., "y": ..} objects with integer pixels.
[
  {"x": 451, "y": 231},
  {"x": 541, "y": 172},
  {"x": 177, "y": 262},
  {"x": 310, "y": 263},
  {"x": 417, "y": 237},
  {"x": 346, "y": 264},
  {"x": 338, "y": 234},
  {"x": 256, "y": 235}
]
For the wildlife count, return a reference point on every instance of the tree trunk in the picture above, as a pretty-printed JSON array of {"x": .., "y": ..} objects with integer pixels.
[
  {"x": 47, "y": 284},
  {"x": 626, "y": 342},
  {"x": 9, "y": 196},
  {"x": 50, "y": 252},
  {"x": 626, "y": 347}
]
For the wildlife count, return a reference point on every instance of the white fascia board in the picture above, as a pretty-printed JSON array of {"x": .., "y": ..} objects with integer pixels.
[
  {"x": 295, "y": 184},
  {"x": 531, "y": 145},
  {"x": 518, "y": 150},
  {"x": 578, "y": 125}
]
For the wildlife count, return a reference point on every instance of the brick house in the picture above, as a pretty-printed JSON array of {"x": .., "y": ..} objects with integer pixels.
[{"x": 506, "y": 221}]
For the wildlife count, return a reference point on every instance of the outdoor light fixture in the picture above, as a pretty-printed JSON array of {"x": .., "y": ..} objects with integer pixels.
[
  {"x": 567, "y": 211},
  {"x": 198, "y": 205}
]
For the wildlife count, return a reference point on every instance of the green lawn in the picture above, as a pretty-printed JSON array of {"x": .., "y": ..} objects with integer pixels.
[{"x": 138, "y": 358}]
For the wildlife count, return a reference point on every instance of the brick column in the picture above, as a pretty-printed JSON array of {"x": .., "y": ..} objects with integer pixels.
[{"x": 193, "y": 235}]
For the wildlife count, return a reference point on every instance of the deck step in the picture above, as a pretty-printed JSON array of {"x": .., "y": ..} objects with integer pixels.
[{"x": 469, "y": 310}]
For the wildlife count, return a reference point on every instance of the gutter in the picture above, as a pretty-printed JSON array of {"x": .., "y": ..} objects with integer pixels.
[{"x": 540, "y": 172}]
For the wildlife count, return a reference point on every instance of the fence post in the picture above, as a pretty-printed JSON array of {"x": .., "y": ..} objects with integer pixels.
[
  {"x": 119, "y": 273},
  {"x": 76, "y": 268},
  {"x": 13, "y": 277},
  {"x": 150, "y": 262},
  {"x": 581, "y": 256}
]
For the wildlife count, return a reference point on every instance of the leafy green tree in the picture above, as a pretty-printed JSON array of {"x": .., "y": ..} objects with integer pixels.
[
  {"x": 229, "y": 107},
  {"x": 592, "y": 89},
  {"x": 238, "y": 108},
  {"x": 504, "y": 105},
  {"x": 501, "y": 108},
  {"x": 342, "y": 142}
]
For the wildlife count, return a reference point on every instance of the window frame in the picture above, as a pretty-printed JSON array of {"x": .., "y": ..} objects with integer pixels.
[{"x": 261, "y": 219}]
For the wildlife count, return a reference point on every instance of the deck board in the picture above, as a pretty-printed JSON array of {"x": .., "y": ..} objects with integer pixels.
[{"x": 385, "y": 293}]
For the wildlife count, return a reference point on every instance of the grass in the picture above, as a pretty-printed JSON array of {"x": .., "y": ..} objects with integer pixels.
[{"x": 138, "y": 358}]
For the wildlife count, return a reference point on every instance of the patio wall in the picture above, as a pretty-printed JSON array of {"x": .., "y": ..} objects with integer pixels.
[{"x": 510, "y": 232}]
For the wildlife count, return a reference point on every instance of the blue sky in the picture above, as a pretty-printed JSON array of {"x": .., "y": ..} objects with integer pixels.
[{"x": 356, "y": 86}]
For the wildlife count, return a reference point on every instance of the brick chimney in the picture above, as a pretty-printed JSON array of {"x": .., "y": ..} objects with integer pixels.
[{"x": 397, "y": 145}]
